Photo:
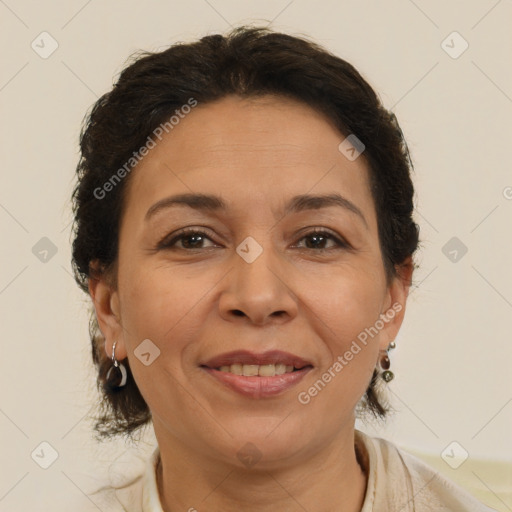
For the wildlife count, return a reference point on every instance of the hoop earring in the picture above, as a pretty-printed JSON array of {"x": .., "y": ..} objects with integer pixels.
[
  {"x": 384, "y": 362},
  {"x": 119, "y": 366}
]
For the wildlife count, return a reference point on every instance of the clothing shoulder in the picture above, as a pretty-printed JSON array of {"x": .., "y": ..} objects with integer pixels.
[{"x": 424, "y": 488}]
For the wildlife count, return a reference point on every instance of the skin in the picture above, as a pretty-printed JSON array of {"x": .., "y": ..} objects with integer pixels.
[{"x": 255, "y": 154}]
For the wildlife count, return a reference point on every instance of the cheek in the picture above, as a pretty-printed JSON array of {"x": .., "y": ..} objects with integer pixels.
[
  {"x": 156, "y": 296},
  {"x": 160, "y": 305},
  {"x": 166, "y": 305},
  {"x": 349, "y": 302},
  {"x": 347, "y": 308}
]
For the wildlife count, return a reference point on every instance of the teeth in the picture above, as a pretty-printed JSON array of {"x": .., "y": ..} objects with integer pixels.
[
  {"x": 237, "y": 369},
  {"x": 267, "y": 370},
  {"x": 251, "y": 370},
  {"x": 280, "y": 369}
]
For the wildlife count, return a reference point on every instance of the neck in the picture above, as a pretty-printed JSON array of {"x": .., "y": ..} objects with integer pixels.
[{"x": 330, "y": 481}]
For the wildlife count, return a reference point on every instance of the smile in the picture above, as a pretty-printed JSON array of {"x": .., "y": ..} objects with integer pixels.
[
  {"x": 252, "y": 370},
  {"x": 257, "y": 375}
]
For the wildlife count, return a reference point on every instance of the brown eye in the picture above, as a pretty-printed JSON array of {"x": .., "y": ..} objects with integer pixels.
[
  {"x": 318, "y": 239},
  {"x": 190, "y": 239}
]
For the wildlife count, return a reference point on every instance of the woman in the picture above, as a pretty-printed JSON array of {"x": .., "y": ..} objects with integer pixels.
[{"x": 244, "y": 228}]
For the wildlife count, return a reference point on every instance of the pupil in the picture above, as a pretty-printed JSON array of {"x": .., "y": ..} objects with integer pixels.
[
  {"x": 197, "y": 238},
  {"x": 318, "y": 238}
]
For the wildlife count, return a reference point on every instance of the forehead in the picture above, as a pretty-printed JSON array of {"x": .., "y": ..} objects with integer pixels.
[{"x": 250, "y": 148}]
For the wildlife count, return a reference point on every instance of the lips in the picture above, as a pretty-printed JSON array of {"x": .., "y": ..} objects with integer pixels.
[
  {"x": 257, "y": 376},
  {"x": 245, "y": 357}
]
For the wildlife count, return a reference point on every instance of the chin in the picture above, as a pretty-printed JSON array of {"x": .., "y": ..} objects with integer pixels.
[{"x": 269, "y": 440}]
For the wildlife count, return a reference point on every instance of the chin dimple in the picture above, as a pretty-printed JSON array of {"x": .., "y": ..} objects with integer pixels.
[{"x": 253, "y": 370}]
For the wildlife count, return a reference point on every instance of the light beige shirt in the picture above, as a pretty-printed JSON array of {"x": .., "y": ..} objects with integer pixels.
[{"x": 397, "y": 482}]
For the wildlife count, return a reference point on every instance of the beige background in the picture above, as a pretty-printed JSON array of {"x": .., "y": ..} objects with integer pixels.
[{"x": 454, "y": 357}]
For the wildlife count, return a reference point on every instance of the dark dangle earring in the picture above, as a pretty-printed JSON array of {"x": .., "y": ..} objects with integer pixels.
[
  {"x": 385, "y": 364},
  {"x": 120, "y": 367}
]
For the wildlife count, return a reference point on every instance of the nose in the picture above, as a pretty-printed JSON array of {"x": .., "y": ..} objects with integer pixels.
[{"x": 259, "y": 292}]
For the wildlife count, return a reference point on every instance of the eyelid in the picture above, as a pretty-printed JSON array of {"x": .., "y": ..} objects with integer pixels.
[
  {"x": 169, "y": 241},
  {"x": 339, "y": 240}
]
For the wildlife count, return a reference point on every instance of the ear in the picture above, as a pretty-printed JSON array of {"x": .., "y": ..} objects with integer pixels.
[
  {"x": 106, "y": 304},
  {"x": 393, "y": 311}
]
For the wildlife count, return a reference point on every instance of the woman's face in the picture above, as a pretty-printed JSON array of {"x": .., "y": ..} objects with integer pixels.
[{"x": 256, "y": 279}]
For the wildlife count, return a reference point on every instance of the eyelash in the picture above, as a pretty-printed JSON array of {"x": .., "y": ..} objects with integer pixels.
[{"x": 188, "y": 232}]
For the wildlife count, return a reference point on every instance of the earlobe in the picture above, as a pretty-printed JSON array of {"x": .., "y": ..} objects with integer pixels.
[{"x": 106, "y": 305}]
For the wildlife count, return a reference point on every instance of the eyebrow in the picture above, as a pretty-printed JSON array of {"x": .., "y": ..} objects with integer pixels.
[{"x": 212, "y": 203}]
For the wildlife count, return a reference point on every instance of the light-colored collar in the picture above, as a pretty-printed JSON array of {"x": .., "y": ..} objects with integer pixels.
[{"x": 150, "y": 496}]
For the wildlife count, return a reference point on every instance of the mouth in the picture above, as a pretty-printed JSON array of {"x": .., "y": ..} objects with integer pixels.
[
  {"x": 253, "y": 370},
  {"x": 257, "y": 375}
]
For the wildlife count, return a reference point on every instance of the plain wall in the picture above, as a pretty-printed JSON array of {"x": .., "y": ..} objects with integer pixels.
[{"x": 453, "y": 359}]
